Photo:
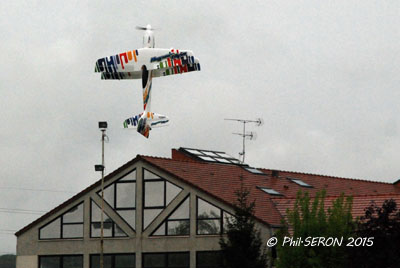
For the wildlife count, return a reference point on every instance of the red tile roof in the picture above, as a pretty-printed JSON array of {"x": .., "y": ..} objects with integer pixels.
[{"x": 222, "y": 181}]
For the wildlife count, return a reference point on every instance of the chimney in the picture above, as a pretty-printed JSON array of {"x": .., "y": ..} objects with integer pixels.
[
  {"x": 177, "y": 155},
  {"x": 275, "y": 173}
]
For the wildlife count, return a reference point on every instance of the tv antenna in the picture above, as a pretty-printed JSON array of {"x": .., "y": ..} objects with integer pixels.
[{"x": 250, "y": 135}]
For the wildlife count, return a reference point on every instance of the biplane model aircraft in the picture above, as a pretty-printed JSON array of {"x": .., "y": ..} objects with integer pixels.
[{"x": 146, "y": 63}]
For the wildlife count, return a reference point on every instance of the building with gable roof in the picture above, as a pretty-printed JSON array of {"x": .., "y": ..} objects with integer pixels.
[{"x": 171, "y": 212}]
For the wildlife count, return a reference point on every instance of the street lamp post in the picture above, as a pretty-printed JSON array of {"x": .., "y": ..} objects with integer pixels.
[{"x": 102, "y": 127}]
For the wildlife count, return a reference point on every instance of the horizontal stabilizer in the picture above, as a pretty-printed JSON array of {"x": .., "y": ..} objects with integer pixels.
[
  {"x": 145, "y": 122},
  {"x": 159, "y": 120},
  {"x": 132, "y": 122}
]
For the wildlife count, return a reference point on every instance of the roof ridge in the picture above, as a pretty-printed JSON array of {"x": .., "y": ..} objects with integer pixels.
[
  {"x": 181, "y": 160},
  {"x": 327, "y": 176},
  {"x": 334, "y": 196}
]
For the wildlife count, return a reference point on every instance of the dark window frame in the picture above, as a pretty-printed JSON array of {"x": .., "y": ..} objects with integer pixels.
[
  {"x": 99, "y": 222},
  {"x": 144, "y": 207},
  {"x": 67, "y": 223},
  {"x": 61, "y": 257},
  {"x": 167, "y": 220},
  {"x": 113, "y": 255},
  {"x": 166, "y": 258}
]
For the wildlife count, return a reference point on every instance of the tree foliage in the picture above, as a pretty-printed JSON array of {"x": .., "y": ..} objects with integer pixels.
[
  {"x": 383, "y": 224},
  {"x": 310, "y": 218},
  {"x": 243, "y": 247}
]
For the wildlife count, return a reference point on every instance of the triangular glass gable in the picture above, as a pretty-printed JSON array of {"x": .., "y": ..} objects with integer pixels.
[
  {"x": 177, "y": 223},
  {"x": 110, "y": 229},
  {"x": 211, "y": 219},
  {"x": 172, "y": 192},
  {"x": 147, "y": 175},
  {"x": 158, "y": 194},
  {"x": 121, "y": 196},
  {"x": 68, "y": 225}
]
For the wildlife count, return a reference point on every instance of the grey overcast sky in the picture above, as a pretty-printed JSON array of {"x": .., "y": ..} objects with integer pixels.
[{"x": 324, "y": 76}]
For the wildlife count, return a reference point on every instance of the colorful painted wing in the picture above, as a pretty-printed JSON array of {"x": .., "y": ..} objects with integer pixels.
[
  {"x": 122, "y": 62},
  {"x": 162, "y": 62}
]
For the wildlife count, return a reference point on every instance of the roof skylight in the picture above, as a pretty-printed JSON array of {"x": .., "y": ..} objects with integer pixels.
[
  {"x": 300, "y": 182},
  {"x": 212, "y": 156},
  {"x": 254, "y": 171},
  {"x": 207, "y": 158},
  {"x": 269, "y": 191}
]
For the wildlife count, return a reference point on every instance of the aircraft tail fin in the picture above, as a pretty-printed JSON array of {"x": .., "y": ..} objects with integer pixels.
[{"x": 145, "y": 122}]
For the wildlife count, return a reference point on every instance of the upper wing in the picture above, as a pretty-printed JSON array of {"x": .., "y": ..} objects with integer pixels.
[
  {"x": 122, "y": 62},
  {"x": 163, "y": 62}
]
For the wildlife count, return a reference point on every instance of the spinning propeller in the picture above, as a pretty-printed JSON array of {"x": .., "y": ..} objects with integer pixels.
[{"x": 147, "y": 28}]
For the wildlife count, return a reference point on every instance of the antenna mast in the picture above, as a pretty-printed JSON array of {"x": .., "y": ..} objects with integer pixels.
[{"x": 250, "y": 135}]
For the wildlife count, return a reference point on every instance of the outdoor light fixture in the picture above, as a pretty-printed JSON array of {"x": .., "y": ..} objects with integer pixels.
[
  {"x": 98, "y": 167},
  {"x": 102, "y": 124},
  {"x": 102, "y": 127}
]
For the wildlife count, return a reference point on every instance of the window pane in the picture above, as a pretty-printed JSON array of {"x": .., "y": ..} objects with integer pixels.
[
  {"x": 160, "y": 230},
  {"x": 96, "y": 213},
  {"x": 179, "y": 227},
  {"x": 227, "y": 218},
  {"x": 206, "y": 210},
  {"x": 128, "y": 216},
  {"x": 72, "y": 261},
  {"x": 72, "y": 230},
  {"x": 193, "y": 151},
  {"x": 154, "y": 194},
  {"x": 209, "y": 153},
  {"x": 150, "y": 176},
  {"x": 154, "y": 260},
  {"x": 95, "y": 261},
  {"x": 74, "y": 215},
  {"x": 125, "y": 261},
  {"x": 49, "y": 262},
  {"x": 209, "y": 259},
  {"x": 178, "y": 259},
  {"x": 118, "y": 231},
  {"x": 129, "y": 177},
  {"x": 172, "y": 192},
  {"x": 223, "y": 160},
  {"x": 109, "y": 194},
  {"x": 208, "y": 226},
  {"x": 96, "y": 229},
  {"x": 149, "y": 215},
  {"x": 182, "y": 211},
  {"x": 126, "y": 195},
  {"x": 52, "y": 230}
]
